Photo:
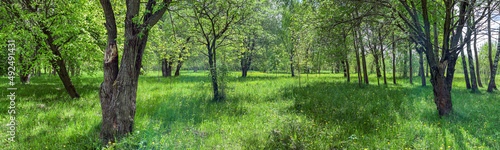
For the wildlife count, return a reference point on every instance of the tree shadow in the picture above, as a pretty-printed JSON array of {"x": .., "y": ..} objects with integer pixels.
[{"x": 373, "y": 108}]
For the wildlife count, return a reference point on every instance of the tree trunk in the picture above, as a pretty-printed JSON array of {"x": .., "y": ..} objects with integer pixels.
[
  {"x": 471, "y": 61},
  {"x": 377, "y": 63},
  {"x": 347, "y": 70},
  {"x": 466, "y": 73},
  {"x": 383, "y": 67},
  {"x": 442, "y": 94},
  {"x": 405, "y": 63},
  {"x": 480, "y": 84},
  {"x": 64, "y": 76},
  {"x": 337, "y": 68},
  {"x": 393, "y": 60},
  {"x": 110, "y": 72},
  {"x": 492, "y": 84},
  {"x": 166, "y": 67},
  {"x": 212, "y": 61},
  {"x": 59, "y": 65},
  {"x": 363, "y": 58},
  {"x": 490, "y": 59},
  {"x": 244, "y": 66},
  {"x": 178, "y": 68},
  {"x": 358, "y": 64},
  {"x": 291, "y": 65},
  {"x": 246, "y": 60},
  {"x": 421, "y": 63},
  {"x": 24, "y": 71},
  {"x": 411, "y": 66},
  {"x": 344, "y": 68},
  {"x": 427, "y": 70},
  {"x": 118, "y": 91}
]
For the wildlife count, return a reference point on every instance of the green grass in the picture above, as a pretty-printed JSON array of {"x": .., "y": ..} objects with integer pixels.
[{"x": 262, "y": 111}]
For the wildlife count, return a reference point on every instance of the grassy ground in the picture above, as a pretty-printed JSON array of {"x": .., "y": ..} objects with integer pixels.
[{"x": 262, "y": 111}]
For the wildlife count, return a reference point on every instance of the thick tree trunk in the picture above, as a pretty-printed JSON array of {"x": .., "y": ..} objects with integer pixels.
[
  {"x": 421, "y": 63},
  {"x": 466, "y": 73},
  {"x": 166, "y": 68},
  {"x": 118, "y": 91},
  {"x": 442, "y": 94},
  {"x": 110, "y": 72}
]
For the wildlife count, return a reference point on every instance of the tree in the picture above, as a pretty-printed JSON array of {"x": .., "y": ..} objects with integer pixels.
[
  {"x": 47, "y": 24},
  {"x": 464, "y": 66},
  {"x": 118, "y": 91},
  {"x": 393, "y": 59},
  {"x": 490, "y": 59},
  {"x": 492, "y": 85},
  {"x": 444, "y": 63},
  {"x": 213, "y": 20},
  {"x": 469, "y": 54},
  {"x": 249, "y": 31},
  {"x": 474, "y": 29}
]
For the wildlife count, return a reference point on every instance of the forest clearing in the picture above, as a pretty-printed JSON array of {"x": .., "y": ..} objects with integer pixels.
[{"x": 263, "y": 111}]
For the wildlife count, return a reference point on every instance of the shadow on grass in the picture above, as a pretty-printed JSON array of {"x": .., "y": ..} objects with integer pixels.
[{"x": 374, "y": 110}]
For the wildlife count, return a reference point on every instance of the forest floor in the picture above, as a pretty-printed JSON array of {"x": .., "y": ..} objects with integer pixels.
[{"x": 262, "y": 111}]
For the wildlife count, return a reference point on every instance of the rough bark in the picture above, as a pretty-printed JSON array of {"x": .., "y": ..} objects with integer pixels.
[{"x": 118, "y": 90}]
